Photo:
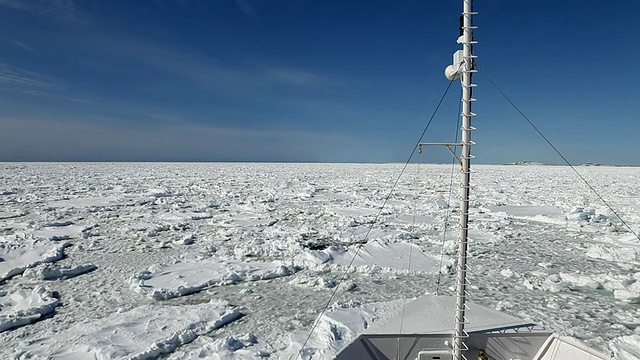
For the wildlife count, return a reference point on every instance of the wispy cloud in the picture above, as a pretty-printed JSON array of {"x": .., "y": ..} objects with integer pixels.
[
  {"x": 294, "y": 76},
  {"x": 210, "y": 72},
  {"x": 64, "y": 10},
  {"x": 246, "y": 8},
  {"x": 44, "y": 94},
  {"x": 16, "y": 76},
  {"x": 23, "y": 46}
]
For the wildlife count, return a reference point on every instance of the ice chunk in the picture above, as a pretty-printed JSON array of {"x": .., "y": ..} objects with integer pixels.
[
  {"x": 226, "y": 348},
  {"x": 52, "y": 272},
  {"x": 19, "y": 257},
  {"x": 625, "y": 254},
  {"x": 626, "y": 347},
  {"x": 25, "y": 306},
  {"x": 442, "y": 204},
  {"x": 183, "y": 278},
  {"x": 410, "y": 219},
  {"x": 145, "y": 332},
  {"x": 4, "y": 215},
  {"x": 387, "y": 256},
  {"x": 59, "y": 232},
  {"x": 527, "y": 211},
  {"x": 628, "y": 296}
]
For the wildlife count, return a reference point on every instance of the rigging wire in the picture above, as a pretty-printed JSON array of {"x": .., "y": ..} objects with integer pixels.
[
  {"x": 448, "y": 213},
  {"x": 413, "y": 228},
  {"x": 375, "y": 220},
  {"x": 559, "y": 153}
]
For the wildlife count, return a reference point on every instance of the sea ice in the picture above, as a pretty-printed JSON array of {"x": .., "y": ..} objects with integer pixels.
[
  {"x": 4, "y": 215},
  {"x": 190, "y": 276},
  {"x": 24, "y": 306},
  {"x": 144, "y": 332},
  {"x": 19, "y": 256},
  {"x": 62, "y": 231},
  {"x": 385, "y": 255},
  {"x": 225, "y": 348},
  {"x": 53, "y": 272},
  {"x": 626, "y": 347}
]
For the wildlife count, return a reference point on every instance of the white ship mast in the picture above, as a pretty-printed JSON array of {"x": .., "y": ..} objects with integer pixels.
[{"x": 466, "y": 70}]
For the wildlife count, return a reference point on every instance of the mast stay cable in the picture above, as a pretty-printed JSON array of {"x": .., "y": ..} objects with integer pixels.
[
  {"x": 413, "y": 229},
  {"x": 448, "y": 213},
  {"x": 560, "y": 154},
  {"x": 375, "y": 220}
]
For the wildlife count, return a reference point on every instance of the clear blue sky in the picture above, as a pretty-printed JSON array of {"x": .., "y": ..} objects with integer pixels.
[{"x": 297, "y": 80}]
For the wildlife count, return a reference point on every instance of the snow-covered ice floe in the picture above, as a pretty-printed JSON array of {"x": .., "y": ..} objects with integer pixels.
[
  {"x": 24, "y": 306},
  {"x": 53, "y": 272},
  {"x": 225, "y": 348},
  {"x": 625, "y": 249},
  {"x": 17, "y": 256},
  {"x": 382, "y": 255},
  {"x": 144, "y": 332},
  {"x": 534, "y": 212},
  {"x": 99, "y": 202},
  {"x": 57, "y": 232},
  {"x": 625, "y": 288},
  {"x": 183, "y": 278},
  {"x": 5, "y": 215},
  {"x": 626, "y": 347}
]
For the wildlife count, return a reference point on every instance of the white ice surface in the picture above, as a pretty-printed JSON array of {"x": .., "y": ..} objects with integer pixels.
[
  {"x": 24, "y": 306},
  {"x": 391, "y": 256},
  {"x": 626, "y": 347},
  {"x": 17, "y": 256},
  {"x": 183, "y": 278},
  {"x": 145, "y": 332},
  {"x": 225, "y": 348},
  {"x": 575, "y": 272},
  {"x": 54, "y": 272},
  {"x": 59, "y": 232}
]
